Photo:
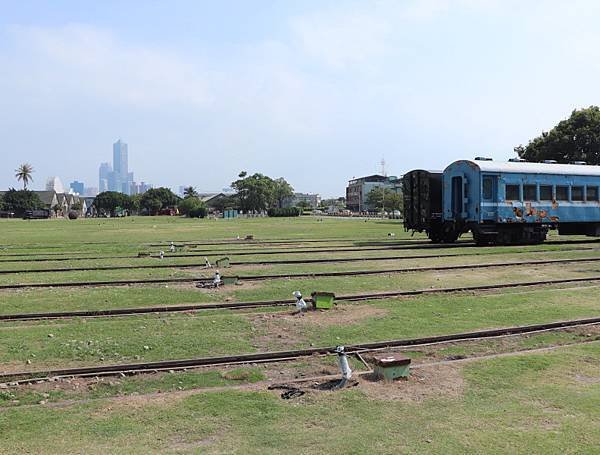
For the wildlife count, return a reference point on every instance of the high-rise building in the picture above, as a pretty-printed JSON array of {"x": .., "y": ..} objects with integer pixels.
[
  {"x": 77, "y": 187},
  {"x": 104, "y": 176},
  {"x": 122, "y": 178},
  {"x": 117, "y": 178}
]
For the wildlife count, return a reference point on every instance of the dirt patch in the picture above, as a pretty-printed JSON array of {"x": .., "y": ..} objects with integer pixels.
[
  {"x": 439, "y": 381},
  {"x": 289, "y": 329}
]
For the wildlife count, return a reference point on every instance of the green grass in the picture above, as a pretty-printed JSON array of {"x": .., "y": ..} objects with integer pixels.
[
  {"x": 222, "y": 332},
  {"x": 520, "y": 404},
  {"x": 132, "y": 385}
]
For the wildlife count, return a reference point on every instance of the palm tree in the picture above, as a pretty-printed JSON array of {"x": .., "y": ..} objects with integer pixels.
[
  {"x": 23, "y": 173},
  {"x": 190, "y": 191}
]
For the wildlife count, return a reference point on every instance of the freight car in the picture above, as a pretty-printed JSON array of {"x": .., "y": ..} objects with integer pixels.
[
  {"x": 422, "y": 193},
  {"x": 515, "y": 202}
]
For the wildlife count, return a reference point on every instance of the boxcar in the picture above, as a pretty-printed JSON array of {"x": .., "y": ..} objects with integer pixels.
[
  {"x": 518, "y": 202},
  {"x": 422, "y": 193}
]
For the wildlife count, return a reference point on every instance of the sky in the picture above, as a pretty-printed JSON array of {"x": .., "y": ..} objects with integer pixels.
[{"x": 315, "y": 91}]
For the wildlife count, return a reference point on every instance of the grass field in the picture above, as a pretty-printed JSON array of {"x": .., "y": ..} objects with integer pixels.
[{"x": 522, "y": 395}]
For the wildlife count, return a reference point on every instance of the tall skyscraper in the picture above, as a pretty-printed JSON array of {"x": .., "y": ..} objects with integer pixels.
[
  {"x": 104, "y": 177},
  {"x": 120, "y": 158},
  {"x": 122, "y": 178}
]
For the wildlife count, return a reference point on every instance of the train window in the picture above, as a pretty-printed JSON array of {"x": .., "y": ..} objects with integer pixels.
[
  {"x": 577, "y": 193},
  {"x": 562, "y": 193},
  {"x": 545, "y": 192},
  {"x": 488, "y": 188},
  {"x": 591, "y": 193},
  {"x": 530, "y": 192},
  {"x": 513, "y": 193}
]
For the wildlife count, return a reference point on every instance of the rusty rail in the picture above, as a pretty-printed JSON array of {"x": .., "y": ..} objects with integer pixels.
[{"x": 278, "y": 356}]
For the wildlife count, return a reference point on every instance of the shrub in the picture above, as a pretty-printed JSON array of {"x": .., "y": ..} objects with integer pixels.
[
  {"x": 193, "y": 207},
  {"x": 73, "y": 215},
  {"x": 198, "y": 212},
  {"x": 284, "y": 212}
]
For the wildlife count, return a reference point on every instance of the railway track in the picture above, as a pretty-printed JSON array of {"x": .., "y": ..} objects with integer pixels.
[
  {"x": 269, "y": 262},
  {"x": 276, "y": 303},
  {"x": 350, "y": 243},
  {"x": 24, "y": 377},
  {"x": 348, "y": 273},
  {"x": 246, "y": 252}
]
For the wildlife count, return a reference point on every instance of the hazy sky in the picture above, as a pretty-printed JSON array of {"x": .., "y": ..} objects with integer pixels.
[{"x": 314, "y": 91}]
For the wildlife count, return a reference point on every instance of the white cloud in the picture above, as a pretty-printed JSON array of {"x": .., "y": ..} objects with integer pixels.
[{"x": 82, "y": 60}]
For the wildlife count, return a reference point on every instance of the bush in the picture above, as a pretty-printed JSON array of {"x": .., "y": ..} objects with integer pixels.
[
  {"x": 193, "y": 207},
  {"x": 288, "y": 211},
  {"x": 198, "y": 212},
  {"x": 73, "y": 215}
]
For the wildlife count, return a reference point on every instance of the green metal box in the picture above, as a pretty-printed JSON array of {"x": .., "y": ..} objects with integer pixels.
[
  {"x": 391, "y": 367},
  {"x": 323, "y": 300}
]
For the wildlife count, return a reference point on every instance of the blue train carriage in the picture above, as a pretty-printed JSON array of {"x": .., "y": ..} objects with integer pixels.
[{"x": 517, "y": 202}]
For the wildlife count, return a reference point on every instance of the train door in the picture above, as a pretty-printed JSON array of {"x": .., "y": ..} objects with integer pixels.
[
  {"x": 457, "y": 198},
  {"x": 489, "y": 197}
]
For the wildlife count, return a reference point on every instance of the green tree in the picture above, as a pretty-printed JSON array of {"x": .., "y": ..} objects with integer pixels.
[
  {"x": 109, "y": 201},
  {"x": 191, "y": 205},
  {"x": 254, "y": 192},
  {"x": 19, "y": 201},
  {"x": 304, "y": 205},
  {"x": 152, "y": 205},
  {"x": 282, "y": 190},
  {"x": 574, "y": 139},
  {"x": 189, "y": 191},
  {"x": 134, "y": 203},
  {"x": 384, "y": 199},
  {"x": 156, "y": 198},
  {"x": 23, "y": 174}
]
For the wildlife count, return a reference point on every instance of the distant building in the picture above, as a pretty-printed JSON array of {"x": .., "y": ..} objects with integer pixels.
[
  {"x": 104, "y": 175},
  {"x": 121, "y": 179},
  {"x": 54, "y": 184},
  {"x": 77, "y": 187},
  {"x": 358, "y": 189},
  {"x": 313, "y": 200},
  {"x": 48, "y": 198},
  {"x": 140, "y": 188},
  {"x": 216, "y": 201}
]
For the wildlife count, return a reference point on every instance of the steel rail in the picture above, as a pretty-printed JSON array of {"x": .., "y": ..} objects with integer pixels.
[
  {"x": 275, "y": 303},
  {"x": 303, "y": 261},
  {"x": 348, "y": 244},
  {"x": 299, "y": 275},
  {"x": 246, "y": 252},
  {"x": 278, "y": 356}
]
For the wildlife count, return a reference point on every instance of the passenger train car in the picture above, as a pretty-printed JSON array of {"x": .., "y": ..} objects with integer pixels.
[{"x": 510, "y": 203}]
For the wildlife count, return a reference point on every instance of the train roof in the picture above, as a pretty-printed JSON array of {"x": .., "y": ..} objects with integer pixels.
[{"x": 533, "y": 168}]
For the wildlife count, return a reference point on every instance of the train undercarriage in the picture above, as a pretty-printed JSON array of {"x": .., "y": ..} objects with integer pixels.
[{"x": 507, "y": 234}]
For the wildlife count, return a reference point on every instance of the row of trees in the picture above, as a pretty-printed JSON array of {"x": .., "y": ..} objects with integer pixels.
[
  {"x": 19, "y": 201},
  {"x": 254, "y": 193},
  {"x": 150, "y": 202}
]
